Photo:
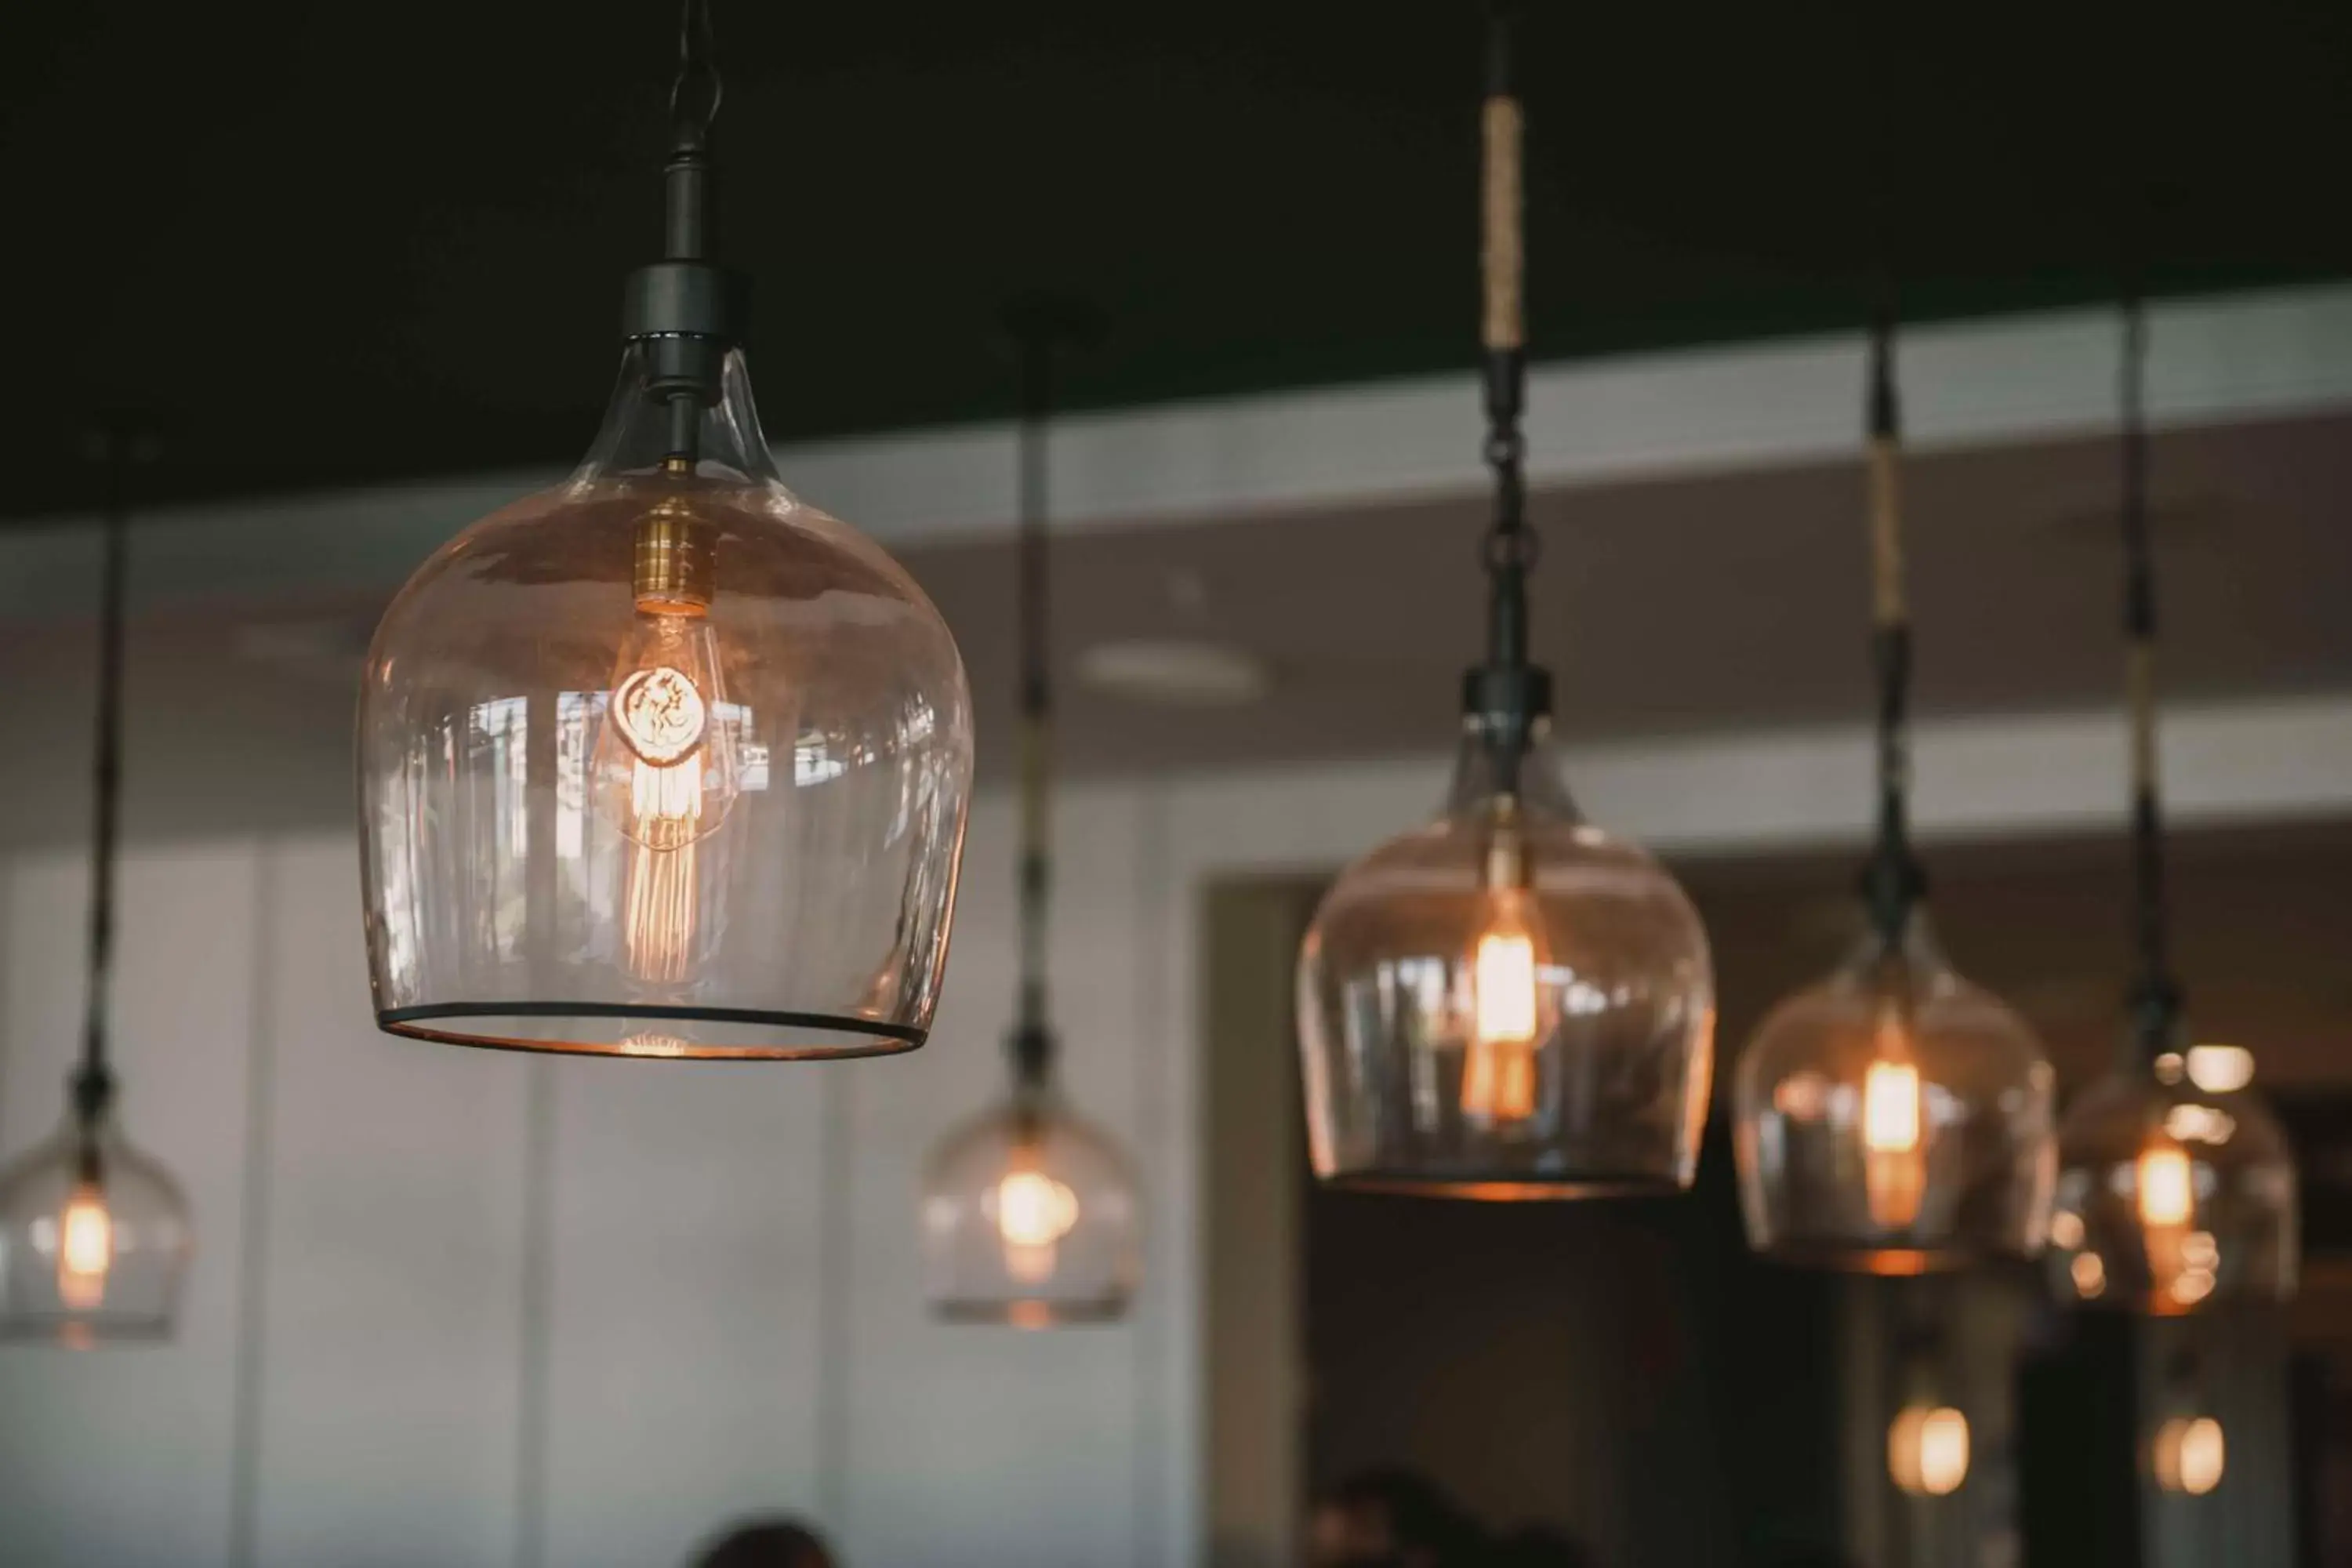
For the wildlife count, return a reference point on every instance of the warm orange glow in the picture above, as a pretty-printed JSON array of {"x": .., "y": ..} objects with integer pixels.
[
  {"x": 1034, "y": 1213},
  {"x": 2189, "y": 1454},
  {"x": 1498, "y": 1077},
  {"x": 85, "y": 1248},
  {"x": 1927, "y": 1450},
  {"x": 1894, "y": 1163},
  {"x": 2181, "y": 1262},
  {"x": 2166, "y": 1194}
]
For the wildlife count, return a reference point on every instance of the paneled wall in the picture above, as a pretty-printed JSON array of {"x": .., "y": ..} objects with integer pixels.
[{"x": 460, "y": 1307}]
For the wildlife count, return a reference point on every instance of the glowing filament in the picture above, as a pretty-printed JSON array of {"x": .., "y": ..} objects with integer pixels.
[
  {"x": 661, "y": 717},
  {"x": 1927, "y": 1450},
  {"x": 1498, "y": 1077},
  {"x": 2180, "y": 1262},
  {"x": 2166, "y": 1194},
  {"x": 85, "y": 1248},
  {"x": 1895, "y": 1161},
  {"x": 1034, "y": 1213},
  {"x": 659, "y": 920}
]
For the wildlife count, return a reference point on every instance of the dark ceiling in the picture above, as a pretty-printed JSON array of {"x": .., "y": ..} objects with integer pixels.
[{"x": 326, "y": 245}]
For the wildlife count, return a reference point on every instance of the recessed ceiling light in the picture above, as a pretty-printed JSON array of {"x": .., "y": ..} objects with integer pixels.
[{"x": 1179, "y": 672}]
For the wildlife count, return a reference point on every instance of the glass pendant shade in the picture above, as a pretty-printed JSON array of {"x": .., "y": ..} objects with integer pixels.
[
  {"x": 1507, "y": 1003},
  {"x": 664, "y": 762},
  {"x": 94, "y": 1240},
  {"x": 1894, "y": 1119},
  {"x": 1030, "y": 1217},
  {"x": 2171, "y": 1198}
]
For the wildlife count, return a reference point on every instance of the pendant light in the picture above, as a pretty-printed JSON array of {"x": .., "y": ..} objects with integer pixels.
[
  {"x": 2171, "y": 1196},
  {"x": 1892, "y": 1118},
  {"x": 94, "y": 1235},
  {"x": 1506, "y": 1002},
  {"x": 1928, "y": 1442},
  {"x": 1030, "y": 1215},
  {"x": 664, "y": 762}
]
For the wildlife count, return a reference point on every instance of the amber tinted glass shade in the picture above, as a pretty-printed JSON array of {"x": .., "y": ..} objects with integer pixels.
[
  {"x": 94, "y": 1241},
  {"x": 1030, "y": 1218},
  {"x": 2171, "y": 1198},
  {"x": 1506, "y": 1003},
  {"x": 1895, "y": 1119},
  {"x": 663, "y": 764}
]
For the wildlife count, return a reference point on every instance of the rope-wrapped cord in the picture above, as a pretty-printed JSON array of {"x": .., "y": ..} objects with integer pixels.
[{"x": 1502, "y": 254}]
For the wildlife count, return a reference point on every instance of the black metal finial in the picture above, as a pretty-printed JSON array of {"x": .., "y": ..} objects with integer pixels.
[{"x": 687, "y": 312}]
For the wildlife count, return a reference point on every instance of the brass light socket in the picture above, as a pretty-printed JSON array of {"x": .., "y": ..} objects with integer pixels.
[{"x": 672, "y": 572}]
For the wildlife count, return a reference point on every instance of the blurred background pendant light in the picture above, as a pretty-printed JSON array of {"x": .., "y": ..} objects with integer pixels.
[
  {"x": 2172, "y": 1195},
  {"x": 1506, "y": 1002},
  {"x": 1928, "y": 1442},
  {"x": 94, "y": 1236},
  {"x": 664, "y": 762},
  {"x": 1893, "y": 1118},
  {"x": 1030, "y": 1215}
]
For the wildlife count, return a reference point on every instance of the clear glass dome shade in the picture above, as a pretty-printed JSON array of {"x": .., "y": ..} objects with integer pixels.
[
  {"x": 1507, "y": 1003},
  {"x": 1894, "y": 1119},
  {"x": 1030, "y": 1217},
  {"x": 2172, "y": 1198},
  {"x": 663, "y": 763},
  {"x": 94, "y": 1240}
]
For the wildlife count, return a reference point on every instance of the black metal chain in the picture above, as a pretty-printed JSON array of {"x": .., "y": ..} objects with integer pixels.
[
  {"x": 2155, "y": 997},
  {"x": 93, "y": 1079},
  {"x": 1893, "y": 882}
]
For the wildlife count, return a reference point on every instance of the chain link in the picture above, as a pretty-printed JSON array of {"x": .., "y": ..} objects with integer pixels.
[{"x": 696, "y": 93}]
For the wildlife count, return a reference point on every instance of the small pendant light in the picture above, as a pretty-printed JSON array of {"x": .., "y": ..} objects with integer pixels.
[
  {"x": 664, "y": 762},
  {"x": 1030, "y": 1217},
  {"x": 1506, "y": 1002},
  {"x": 1892, "y": 1118},
  {"x": 1928, "y": 1442},
  {"x": 2171, "y": 1197},
  {"x": 94, "y": 1236}
]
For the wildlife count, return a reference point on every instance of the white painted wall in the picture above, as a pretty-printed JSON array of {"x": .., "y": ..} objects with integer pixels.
[{"x": 470, "y": 1309}]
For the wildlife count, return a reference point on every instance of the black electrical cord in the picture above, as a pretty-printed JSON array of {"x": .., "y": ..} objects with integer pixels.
[
  {"x": 2155, "y": 997},
  {"x": 1031, "y": 1041},
  {"x": 92, "y": 1085}
]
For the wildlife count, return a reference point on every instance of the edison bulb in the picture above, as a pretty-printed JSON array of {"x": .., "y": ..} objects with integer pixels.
[
  {"x": 1034, "y": 1212},
  {"x": 666, "y": 768},
  {"x": 1498, "y": 1074},
  {"x": 1927, "y": 1450},
  {"x": 85, "y": 1247},
  {"x": 1894, "y": 1139}
]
